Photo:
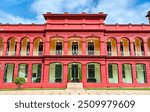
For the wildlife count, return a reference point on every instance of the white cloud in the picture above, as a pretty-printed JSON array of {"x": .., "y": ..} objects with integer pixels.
[
  {"x": 119, "y": 11},
  {"x": 9, "y": 18}
]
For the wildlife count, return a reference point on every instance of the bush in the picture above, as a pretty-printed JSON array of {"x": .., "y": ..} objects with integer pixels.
[{"x": 19, "y": 82}]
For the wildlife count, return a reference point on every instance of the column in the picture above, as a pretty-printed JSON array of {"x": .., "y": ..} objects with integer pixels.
[
  {"x": 65, "y": 72},
  {"x": 145, "y": 49},
  {"x": 47, "y": 48},
  {"x": 31, "y": 49},
  {"x": 66, "y": 47},
  {"x": 120, "y": 73},
  {"x": 84, "y": 73},
  {"x": 84, "y": 46},
  {"x": 46, "y": 73},
  {"x": 2, "y": 71},
  {"x": 103, "y": 73},
  {"x": 15, "y": 71},
  {"x": 134, "y": 73},
  {"x": 118, "y": 48},
  {"x": 29, "y": 80},
  {"x": 5, "y": 49},
  {"x": 132, "y": 49},
  {"x": 18, "y": 49},
  {"x": 148, "y": 72},
  {"x": 102, "y": 48}
]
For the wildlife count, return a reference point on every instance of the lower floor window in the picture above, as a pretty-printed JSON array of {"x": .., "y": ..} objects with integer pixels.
[
  {"x": 93, "y": 72},
  {"x": 23, "y": 71},
  {"x": 127, "y": 73},
  {"x": 36, "y": 73},
  {"x": 141, "y": 73},
  {"x": 9, "y": 73},
  {"x": 113, "y": 73},
  {"x": 55, "y": 72}
]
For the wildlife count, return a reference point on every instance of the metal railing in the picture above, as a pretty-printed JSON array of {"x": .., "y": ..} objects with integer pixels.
[
  {"x": 24, "y": 53},
  {"x": 1, "y": 53},
  {"x": 92, "y": 52},
  {"x": 74, "y": 52},
  {"x": 140, "y": 53},
  {"x": 37, "y": 53},
  {"x": 125, "y": 53},
  {"x": 11, "y": 53},
  {"x": 57, "y": 52}
]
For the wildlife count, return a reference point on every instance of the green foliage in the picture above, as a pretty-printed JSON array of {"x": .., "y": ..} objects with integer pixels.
[{"x": 19, "y": 81}]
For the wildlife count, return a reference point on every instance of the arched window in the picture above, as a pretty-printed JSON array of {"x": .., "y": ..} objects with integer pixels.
[
  {"x": 25, "y": 47},
  {"x": 138, "y": 47},
  {"x": 112, "y": 47},
  {"x": 56, "y": 72},
  {"x": 11, "y": 47},
  {"x": 127, "y": 73},
  {"x": 141, "y": 73},
  {"x": 23, "y": 71},
  {"x": 113, "y": 73},
  {"x": 125, "y": 47},
  {"x": 38, "y": 47},
  {"x": 93, "y": 73},
  {"x": 36, "y": 73},
  {"x": 9, "y": 73}
]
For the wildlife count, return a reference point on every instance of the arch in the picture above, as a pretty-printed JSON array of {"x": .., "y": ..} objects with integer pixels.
[
  {"x": 125, "y": 46},
  {"x": 93, "y": 72},
  {"x": 11, "y": 46},
  {"x": 111, "y": 47},
  {"x": 138, "y": 46},
  {"x": 1, "y": 46},
  {"x": 25, "y": 46},
  {"x": 37, "y": 46}
]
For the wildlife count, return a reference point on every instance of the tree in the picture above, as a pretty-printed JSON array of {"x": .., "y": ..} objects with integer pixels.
[{"x": 19, "y": 81}]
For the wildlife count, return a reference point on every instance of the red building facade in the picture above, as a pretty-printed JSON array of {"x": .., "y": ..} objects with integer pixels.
[{"x": 75, "y": 48}]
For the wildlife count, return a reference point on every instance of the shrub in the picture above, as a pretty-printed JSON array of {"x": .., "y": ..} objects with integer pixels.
[{"x": 19, "y": 82}]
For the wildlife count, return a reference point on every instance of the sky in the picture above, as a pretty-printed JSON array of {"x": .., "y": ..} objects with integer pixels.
[{"x": 31, "y": 11}]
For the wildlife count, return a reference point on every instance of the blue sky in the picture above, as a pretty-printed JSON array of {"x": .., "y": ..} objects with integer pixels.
[{"x": 30, "y": 11}]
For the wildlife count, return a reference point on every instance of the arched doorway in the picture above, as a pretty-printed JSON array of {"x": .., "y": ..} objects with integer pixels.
[{"x": 75, "y": 72}]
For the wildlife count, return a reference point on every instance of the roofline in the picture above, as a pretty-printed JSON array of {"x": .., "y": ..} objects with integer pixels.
[{"x": 66, "y": 14}]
